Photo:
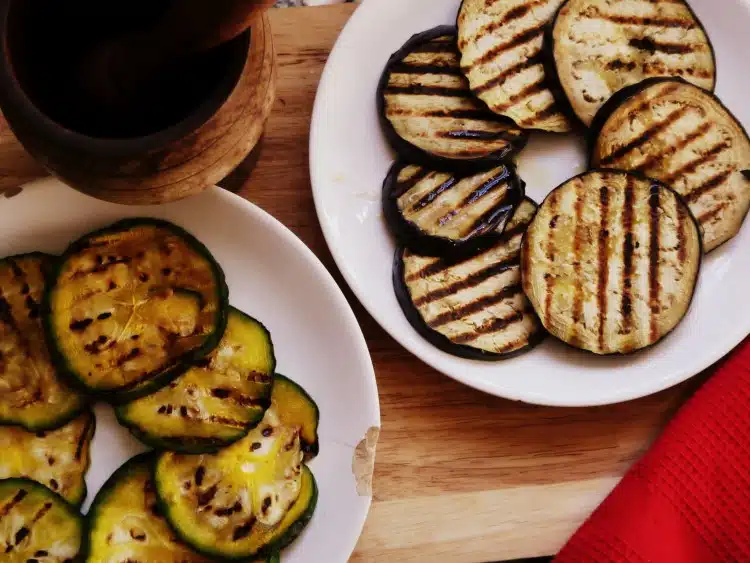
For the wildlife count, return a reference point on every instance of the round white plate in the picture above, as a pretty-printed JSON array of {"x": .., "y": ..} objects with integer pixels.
[
  {"x": 272, "y": 276},
  {"x": 349, "y": 158}
]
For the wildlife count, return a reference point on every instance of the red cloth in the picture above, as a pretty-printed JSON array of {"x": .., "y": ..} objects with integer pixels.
[{"x": 688, "y": 499}]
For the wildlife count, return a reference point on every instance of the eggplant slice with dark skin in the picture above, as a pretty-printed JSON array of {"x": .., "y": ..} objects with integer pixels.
[
  {"x": 472, "y": 306},
  {"x": 598, "y": 47},
  {"x": 501, "y": 55},
  {"x": 429, "y": 114},
  {"x": 433, "y": 212},
  {"x": 611, "y": 261},
  {"x": 683, "y": 136}
]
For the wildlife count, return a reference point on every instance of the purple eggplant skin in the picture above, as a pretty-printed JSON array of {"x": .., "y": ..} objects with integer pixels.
[
  {"x": 416, "y": 155},
  {"x": 435, "y": 338},
  {"x": 553, "y": 77},
  {"x": 411, "y": 236}
]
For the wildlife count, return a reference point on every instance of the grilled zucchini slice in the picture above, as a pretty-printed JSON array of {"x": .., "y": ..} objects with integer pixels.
[
  {"x": 435, "y": 212},
  {"x": 132, "y": 305},
  {"x": 611, "y": 261},
  {"x": 214, "y": 403},
  {"x": 31, "y": 393},
  {"x": 252, "y": 497},
  {"x": 58, "y": 459},
  {"x": 682, "y": 135},
  {"x": 37, "y": 524},
  {"x": 125, "y": 523},
  {"x": 472, "y": 305},
  {"x": 598, "y": 47},
  {"x": 429, "y": 115},
  {"x": 501, "y": 55}
]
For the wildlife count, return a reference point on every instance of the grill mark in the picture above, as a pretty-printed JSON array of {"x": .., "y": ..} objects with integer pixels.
[
  {"x": 540, "y": 115},
  {"x": 42, "y": 512},
  {"x": 133, "y": 354},
  {"x": 682, "y": 219},
  {"x": 670, "y": 48},
  {"x": 672, "y": 149},
  {"x": 244, "y": 530},
  {"x": 508, "y": 73},
  {"x": 619, "y": 64},
  {"x": 529, "y": 91},
  {"x": 82, "y": 438},
  {"x": 475, "y": 306},
  {"x": 524, "y": 37},
  {"x": 436, "y": 47},
  {"x": 626, "y": 305},
  {"x": 693, "y": 165},
  {"x": 513, "y": 14},
  {"x": 657, "y": 68},
  {"x": 710, "y": 184},
  {"x": 554, "y": 206},
  {"x": 226, "y": 421},
  {"x": 653, "y": 261},
  {"x": 486, "y": 188},
  {"x": 472, "y": 134},
  {"x": 407, "y": 68},
  {"x": 603, "y": 262},
  {"x": 577, "y": 243},
  {"x": 406, "y": 185},
  {"x": 434, "y": 194},
  {"x": 474, "y": 114},
  {"x": 18, "y": 497},
  {"x": 490, "y": 327},
  {"x": 708, "y": 215},
  {"x": 420, "y": 90},
  {"x": 207, "y": 496},
  {"x": 645, "y": 21},
  {"x": 470, "y": 281},
  {"x": 489, "y": 217},
  {"x": 646, "y": 136}
]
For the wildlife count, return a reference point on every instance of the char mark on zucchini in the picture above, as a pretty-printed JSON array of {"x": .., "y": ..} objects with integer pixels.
[
  {"x": 429, "y": 114},
  {"x": 682, "y": 135},
  {"x": 471, "y": 304},
  {"x": 637, "y": 242},
  {"x": 501, "y": 48},
  {"x": 598, "y": 47}
]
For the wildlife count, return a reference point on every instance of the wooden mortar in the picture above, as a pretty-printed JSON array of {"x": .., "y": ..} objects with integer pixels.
[{"x": 170, "y": 164}]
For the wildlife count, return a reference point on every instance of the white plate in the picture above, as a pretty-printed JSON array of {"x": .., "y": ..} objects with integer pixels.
[
  {"x": 272, "y": 276},
  {"x": 349, "y": 159}
]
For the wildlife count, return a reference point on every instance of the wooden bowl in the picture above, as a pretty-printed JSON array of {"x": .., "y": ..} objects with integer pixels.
[{"x": 175, "y": 162}]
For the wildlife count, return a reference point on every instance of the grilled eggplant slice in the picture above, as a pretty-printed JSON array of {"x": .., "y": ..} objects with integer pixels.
[
  {"x": 253, "y": 497},
  {"x": 429, "y": 114},
  {"x": 37, "y": 524},
  {"x": 501, "y": 48},
  {"x": 31, "y": 393},
  {"x": 132, "y": 306},
  {"x": 214, "y": 403},
  {"x": 125, "y": 522},
  {"x": 682, "y": 135},
  {"x": 58, "y": 459},
  {"x": 598, "y": 47},
  {"x": 435, "y": 212},
  {"x": 611, "y": 260},
  {"x": 471, "y": 305}
]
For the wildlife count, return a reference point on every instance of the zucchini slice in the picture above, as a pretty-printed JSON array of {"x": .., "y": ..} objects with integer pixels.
[
  {"x": 598, "y": 47},
  {"x": 684, "y": 136},
  {"x": 214, "y": 403},
  {"x": 37, "y": 524},
  {"x": 472, "y": 305},
  {"x": 252, "y": 497},
  {"x": 31, "y": 393},
  {"x": 501, "y": 48},
  {"x": 125, "y": 522},
  {"x": 429, "y": 114},
  {"x": 58, "y": 459},
  {"x": 296, "y": 409},
  {"x": 611, "y": 261},
  {"x": 435, "y": 212},
  {"x": 132, "y": 306}
]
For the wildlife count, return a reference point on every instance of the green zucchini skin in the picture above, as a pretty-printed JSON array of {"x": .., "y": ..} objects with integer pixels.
[
  {"x": 50, "y": 421},
  {"x": 194, "y": 444},
  {"x": 143, "y": 388}
]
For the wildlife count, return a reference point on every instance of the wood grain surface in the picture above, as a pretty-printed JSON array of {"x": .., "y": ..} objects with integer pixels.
[{"x": 460, "y": 476}]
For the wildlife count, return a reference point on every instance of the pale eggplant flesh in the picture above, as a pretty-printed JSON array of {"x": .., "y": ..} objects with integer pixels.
[
  {"x": 683, "y": 136},
  {"x": 611, "y": 261},
  {"x": 598, "y": 47},
  {"x": 472, "y": 305},
  {"x": 434, "y": 212},
  {"x": 501, "y": 55},
  {"x": 429, "y": 114}
]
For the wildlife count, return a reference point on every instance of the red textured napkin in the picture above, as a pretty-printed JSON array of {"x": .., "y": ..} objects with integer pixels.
[{"x": 688, "y": 499}]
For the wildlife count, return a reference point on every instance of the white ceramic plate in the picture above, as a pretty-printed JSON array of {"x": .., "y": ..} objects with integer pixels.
[
  {"x": 349, "y": 159},
  {"x": 272, "y": 276}
]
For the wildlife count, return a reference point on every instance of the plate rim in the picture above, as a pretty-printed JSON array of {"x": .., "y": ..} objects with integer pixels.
[{"x": 732, "y": 339}]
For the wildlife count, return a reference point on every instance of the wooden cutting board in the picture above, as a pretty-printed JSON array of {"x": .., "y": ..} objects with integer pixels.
[{"x": 460, "y": 476}]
